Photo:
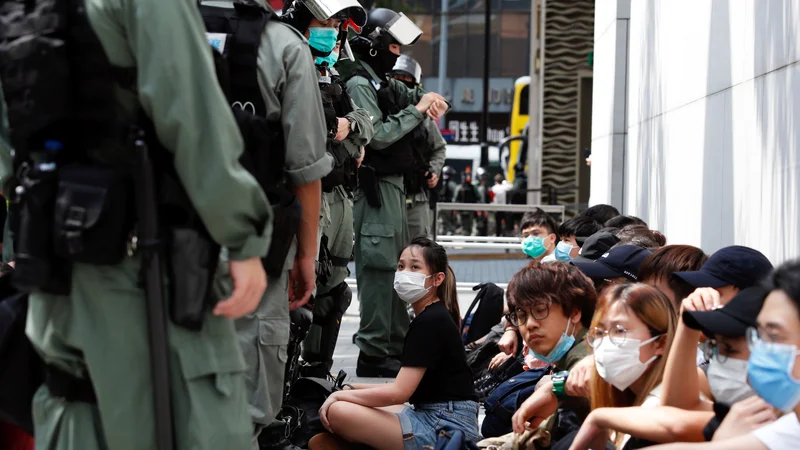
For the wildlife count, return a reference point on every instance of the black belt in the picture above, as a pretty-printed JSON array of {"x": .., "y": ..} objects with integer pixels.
[{"x": 69, "y": 387}]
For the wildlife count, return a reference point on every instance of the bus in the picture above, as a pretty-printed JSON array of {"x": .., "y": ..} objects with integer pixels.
[{"x": 519, "y": 119}]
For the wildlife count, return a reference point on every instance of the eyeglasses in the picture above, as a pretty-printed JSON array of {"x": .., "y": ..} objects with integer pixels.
[
  {"x": 757, "y": 335},
  {"x": 617, "y": 335},
  {"x": 711, "y": 349},
  {"x": 540, "y": 311}
]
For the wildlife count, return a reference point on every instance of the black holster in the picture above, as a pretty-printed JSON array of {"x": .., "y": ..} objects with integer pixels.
[
  {"x": 287, "y": 215},
  {"x": 368, "y": 182},
  {"x": 324, "y": 264},
  {"x": 192, "y": 259},
  {"x": 339, "y": 176}
]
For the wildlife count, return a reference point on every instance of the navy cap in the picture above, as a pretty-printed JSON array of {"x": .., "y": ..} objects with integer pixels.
[
  {"x": 731, "y": 320},
  {"x": 735, "y": 265},
  {"x": 596, "y": 246},
  {"x": 622, "y": 261}
]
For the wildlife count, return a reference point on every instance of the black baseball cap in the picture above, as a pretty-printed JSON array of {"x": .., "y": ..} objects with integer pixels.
[
  {"x": 735, "y": 265},
  {"x": 731, "y": 320},
  {"x": 622, "y": 261},
  {"x": 596, "y": 246}
]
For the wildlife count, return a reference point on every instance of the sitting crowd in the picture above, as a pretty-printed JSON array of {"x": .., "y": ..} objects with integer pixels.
[{"x": 610, "y": 339}]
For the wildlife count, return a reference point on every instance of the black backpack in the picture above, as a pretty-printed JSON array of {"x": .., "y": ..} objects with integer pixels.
[{"x": 489, "y": 312}]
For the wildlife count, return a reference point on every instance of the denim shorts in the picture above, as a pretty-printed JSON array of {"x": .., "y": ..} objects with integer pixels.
[{"x": 421, "y": 423}]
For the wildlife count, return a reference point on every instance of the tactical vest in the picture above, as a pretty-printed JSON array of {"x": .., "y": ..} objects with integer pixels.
[
  {"x": 397, "y": 158},
  {"x": 467, "y": 194},
  {"x": 336, "y": 103},
  {"x": 67, "y": 205},
  {"x": 57, "y": 82},
  {"x": 415, "y": 180},
  {"x": 235, "y": 36}
]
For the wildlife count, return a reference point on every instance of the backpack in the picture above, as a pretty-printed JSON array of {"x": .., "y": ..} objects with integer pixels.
[
  {"x": 489, "y": 312},
  {"x": 307, "y": 396},
  {"x": 506, "y": 399}
]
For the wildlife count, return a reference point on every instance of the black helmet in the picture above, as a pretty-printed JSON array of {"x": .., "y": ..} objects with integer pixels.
[
  {"x": 448, "y": 172},
  {"x": 385, "y": 27},
  {"x": 482, "y": 173}
]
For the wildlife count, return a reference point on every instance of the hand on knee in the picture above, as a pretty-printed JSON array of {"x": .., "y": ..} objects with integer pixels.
[{"x": 337, "y": 413}]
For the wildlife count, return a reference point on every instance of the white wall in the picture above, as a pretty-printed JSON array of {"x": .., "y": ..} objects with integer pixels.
[{"x": 712, "y": 132}]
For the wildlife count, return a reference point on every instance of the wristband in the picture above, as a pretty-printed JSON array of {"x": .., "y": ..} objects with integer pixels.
[{"x": 559, "y": 380}]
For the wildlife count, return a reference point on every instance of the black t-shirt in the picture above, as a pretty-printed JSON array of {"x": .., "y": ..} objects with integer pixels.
[
  {"x": 433, "y": 342},
  {"x": 720, "y": 411}
]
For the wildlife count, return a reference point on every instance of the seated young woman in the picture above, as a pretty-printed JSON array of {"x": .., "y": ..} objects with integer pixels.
[
  {"x": 631, "y": 334},
  {"x": 435, "y": 378}
]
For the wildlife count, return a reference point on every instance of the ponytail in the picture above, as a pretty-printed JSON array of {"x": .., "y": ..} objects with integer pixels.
[
  {"x": 448, "y": 293},
  {"x": 436, "y": 258}
]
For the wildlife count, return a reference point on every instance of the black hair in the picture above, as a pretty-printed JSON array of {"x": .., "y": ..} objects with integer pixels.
[
  {"x": 624, "y": 221},
  {"x": 601, "y": 213},
  {"x": 435, "y": 257},
  {"x": 786, "y": 278},
  {"x": 537, "y": 217},
  {"x": 581, "y": 227}
]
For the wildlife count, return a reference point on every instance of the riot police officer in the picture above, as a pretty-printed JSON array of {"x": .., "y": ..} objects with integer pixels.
[
  {"x": 379, "y": 211},
  {"x": 429, "y": 154},
  {"x": 142, "y": 64},
  {"x": 466, "y": 193},
  {"x": 447, "y": 191},
  {"x": 349, "y": 128},
  {"x": 280, "y": 80},
  {"x": 482, "y": 226}
]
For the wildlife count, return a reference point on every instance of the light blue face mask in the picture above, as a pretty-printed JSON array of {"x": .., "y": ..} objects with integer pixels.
[
  {"x": 533, "y": 246},
  {"x": 563, "y": 250},
  {"x": 769, "y": 373},
  {"x": 323, "y": 39},
  {"x": 564, "y": 344},
  {"x": 330, "y": 59}
]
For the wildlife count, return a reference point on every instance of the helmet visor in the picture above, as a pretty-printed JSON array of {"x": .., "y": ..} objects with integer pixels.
[
  {"x": 403, "y": 30},
  {"x": 341, "y": 9}
]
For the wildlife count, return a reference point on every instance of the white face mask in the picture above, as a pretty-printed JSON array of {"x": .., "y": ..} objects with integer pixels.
[
  {"x": 620, "y": 366},
  {"x": 728, "y": 380},
  {"x": 410, "y": 286}
]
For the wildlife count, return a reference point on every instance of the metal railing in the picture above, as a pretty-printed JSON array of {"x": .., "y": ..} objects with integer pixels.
[{"x": 494, "y": 242}]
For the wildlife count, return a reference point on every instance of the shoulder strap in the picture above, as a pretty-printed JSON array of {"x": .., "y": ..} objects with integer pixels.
[{"x": 483, "y": 287}]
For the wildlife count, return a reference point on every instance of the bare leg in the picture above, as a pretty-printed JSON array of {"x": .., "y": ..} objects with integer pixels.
[{"x": 360, "y": 424}]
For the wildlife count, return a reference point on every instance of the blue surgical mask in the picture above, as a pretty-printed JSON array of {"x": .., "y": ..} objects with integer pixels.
[
  {"x": 533, "y": 246},
  {"x": 563, "y": 250},
  {"x": 564, "y": 344},
  {"x": 323, "y": 39},
  {"x": 330, "y": 59},
  {"x": 769, "y": 372}
]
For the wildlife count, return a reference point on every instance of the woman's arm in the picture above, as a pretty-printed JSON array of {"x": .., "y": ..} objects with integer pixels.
[
  {"x": 388, "y": 394},
  {"x": 661, "y": 424}
]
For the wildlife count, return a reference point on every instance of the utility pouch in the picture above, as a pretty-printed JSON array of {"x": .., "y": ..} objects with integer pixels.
[
  {"x": 193, "y": 259},
  {"x": 37, "y": 267},
  {"x": 368, "y": 181},
  {"x": 337, "y": 177},
  {"x": 92, "y": 216},
  {"x": 288, "y": 213}
]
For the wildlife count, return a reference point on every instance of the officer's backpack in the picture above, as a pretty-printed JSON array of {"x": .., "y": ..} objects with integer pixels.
[{"x": 235, "y": 36}]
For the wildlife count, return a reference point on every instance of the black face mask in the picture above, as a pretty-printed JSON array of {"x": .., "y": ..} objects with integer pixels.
[
  {"x": 410, "y": 84},
  {"x": 387, "y": 60}
]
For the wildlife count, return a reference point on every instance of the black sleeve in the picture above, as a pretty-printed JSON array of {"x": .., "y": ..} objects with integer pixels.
[{"x": 422, "y": 346}]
